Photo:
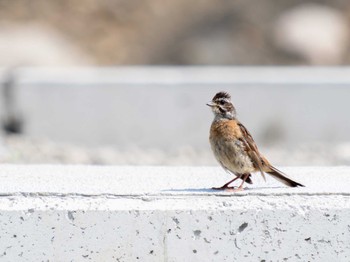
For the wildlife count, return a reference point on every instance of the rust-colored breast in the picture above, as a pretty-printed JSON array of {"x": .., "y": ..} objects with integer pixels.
[{"x": 225, "y": 129}]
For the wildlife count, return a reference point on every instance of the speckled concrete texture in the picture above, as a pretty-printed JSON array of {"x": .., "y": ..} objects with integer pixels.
[{"x": 93, "y": 213}]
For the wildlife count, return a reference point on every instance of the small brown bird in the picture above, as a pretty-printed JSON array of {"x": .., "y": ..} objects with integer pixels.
[{"x": 234, "y": 147}]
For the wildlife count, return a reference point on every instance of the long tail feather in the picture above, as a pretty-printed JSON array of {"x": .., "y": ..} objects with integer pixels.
[{"x": 277, "y": 174}]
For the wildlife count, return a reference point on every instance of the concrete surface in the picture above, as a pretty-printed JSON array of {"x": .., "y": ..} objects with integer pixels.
[{"x": 115, "y": 213}]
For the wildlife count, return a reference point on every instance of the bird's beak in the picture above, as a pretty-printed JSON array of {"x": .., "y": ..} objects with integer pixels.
[{"x": 211, "y": 104}]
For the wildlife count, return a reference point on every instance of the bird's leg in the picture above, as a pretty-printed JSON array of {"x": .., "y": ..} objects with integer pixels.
[
  {"x": 240, "y": 188},
  {"x": 226, "y": 185}
]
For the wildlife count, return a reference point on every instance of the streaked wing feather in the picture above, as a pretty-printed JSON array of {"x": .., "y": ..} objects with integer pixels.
[{"x": 251, "y": 149}]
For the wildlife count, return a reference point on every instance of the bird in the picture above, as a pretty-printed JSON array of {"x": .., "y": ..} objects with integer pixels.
[{"x": 234, "y": 147}]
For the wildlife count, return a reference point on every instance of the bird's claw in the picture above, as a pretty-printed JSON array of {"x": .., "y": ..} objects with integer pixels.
[
  {"x": 228, "y": 188},
  {"x": 238, "y": 189}
]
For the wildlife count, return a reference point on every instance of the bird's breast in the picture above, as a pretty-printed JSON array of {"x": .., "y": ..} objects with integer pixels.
[
  {"x": 228, "y": 148},
  {"x": 225, "y": 129}
]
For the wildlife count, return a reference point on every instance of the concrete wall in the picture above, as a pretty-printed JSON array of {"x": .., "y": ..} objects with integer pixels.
[
  {"x": 164, "y": 107},
  {"x": 91, "y": 213}
]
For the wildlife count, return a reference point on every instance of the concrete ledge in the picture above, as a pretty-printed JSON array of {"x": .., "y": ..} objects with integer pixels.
[
  {"x": 95, "y": 99},
  {"x": 78, "y": 213}
]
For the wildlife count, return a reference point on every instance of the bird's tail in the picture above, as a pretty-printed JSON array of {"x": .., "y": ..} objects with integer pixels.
[{"x": 277, "y": 174}]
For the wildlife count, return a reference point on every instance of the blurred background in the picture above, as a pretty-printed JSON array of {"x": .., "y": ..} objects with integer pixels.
[{"x": 125, "y": 82}]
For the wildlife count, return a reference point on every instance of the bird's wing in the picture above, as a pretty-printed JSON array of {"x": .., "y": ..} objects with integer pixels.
[{"x": 252, "y": 150}]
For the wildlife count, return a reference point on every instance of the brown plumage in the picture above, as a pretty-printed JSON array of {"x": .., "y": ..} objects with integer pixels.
[{"x": 234, "y": 147}]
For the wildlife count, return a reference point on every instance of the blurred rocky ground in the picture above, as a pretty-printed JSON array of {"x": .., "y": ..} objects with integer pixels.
[
  {"x": 25, "y": 150},
  {"x": 117, "y": 32}
]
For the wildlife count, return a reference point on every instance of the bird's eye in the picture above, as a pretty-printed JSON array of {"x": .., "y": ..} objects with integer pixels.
[{"x": 222, "y": 102}]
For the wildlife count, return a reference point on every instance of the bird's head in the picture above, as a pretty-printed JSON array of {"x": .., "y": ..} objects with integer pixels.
[{"x": 222, "y": 106}]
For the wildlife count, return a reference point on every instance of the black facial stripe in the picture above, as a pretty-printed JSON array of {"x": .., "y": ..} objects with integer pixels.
[
  {"x": 221, "y": 109},
  {"x": 222, "y": 101}
]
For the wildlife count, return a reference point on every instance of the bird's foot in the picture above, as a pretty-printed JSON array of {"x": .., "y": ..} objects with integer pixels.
[
  {"x": 238, "y": 189},
  {"x": 228, "y": 188}
]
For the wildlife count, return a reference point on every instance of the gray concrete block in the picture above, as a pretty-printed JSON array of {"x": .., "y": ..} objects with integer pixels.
[{"x": 79, "y": 213}]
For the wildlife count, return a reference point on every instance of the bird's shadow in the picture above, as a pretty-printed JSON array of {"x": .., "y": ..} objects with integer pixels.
[
  {"x": 191, "y": 190},
  {"x": 210, "y": 190}
]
